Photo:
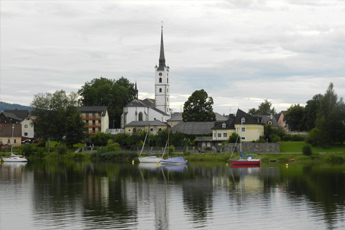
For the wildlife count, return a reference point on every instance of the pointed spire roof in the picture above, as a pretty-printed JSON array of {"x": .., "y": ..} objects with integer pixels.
[
  {"x": 161, "y": 54},
  {"x": 136, "y": 90}
]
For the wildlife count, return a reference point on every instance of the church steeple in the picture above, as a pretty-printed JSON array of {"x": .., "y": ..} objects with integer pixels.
[
  {"x": 135, "y": 91},
  {"x": 161, "y": 54}
]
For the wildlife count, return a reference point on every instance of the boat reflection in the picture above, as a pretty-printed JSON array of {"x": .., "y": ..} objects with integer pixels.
[{"x": 245, "y": 166}]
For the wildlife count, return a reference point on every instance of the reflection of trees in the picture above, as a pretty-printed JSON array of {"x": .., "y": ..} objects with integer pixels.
[
  {"x": 321, "y": 184},
  {"x": 198, "y": 193}
]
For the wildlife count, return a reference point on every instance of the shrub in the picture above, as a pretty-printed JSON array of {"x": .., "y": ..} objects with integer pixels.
[
  {"x": 307, "y": 150},
  {"x": 39, "y": 152},
  {"x": 61, "y": 150},
  {"x": 274, "y": 138},
  {"x": 28, "y": 150},
  {"x": 233, "y": 138}
]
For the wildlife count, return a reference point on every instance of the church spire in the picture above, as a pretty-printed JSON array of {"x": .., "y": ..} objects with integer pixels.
[
  {"x": 136, "y": 90},
  {"x": 161, "y": 54}
]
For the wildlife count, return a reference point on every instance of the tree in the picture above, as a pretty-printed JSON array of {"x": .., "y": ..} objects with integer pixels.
[
  {"x": 310, "y": 112},
  {"x": 330, "y": 118},
  {"x": 263, "y": 109},
  {"x": 111, "y": 93},
  {"x": 198, "y": 107},
  {"x": 294, "y": 118},
  {"x": 57, "y": 117}
]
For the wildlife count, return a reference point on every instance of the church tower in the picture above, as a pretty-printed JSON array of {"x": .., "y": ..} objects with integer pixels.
[{"x": 162, "y": 81}]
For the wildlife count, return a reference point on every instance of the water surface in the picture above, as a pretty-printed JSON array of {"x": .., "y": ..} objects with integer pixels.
[{"x": 84, "y": 195}]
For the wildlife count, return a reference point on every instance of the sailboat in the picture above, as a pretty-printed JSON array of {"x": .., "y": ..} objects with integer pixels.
[
  {"x": 150, "y": 158},
  {"x": 174, "y": 160},
  {"x": 13, "y": 157},
  {"x": 248, "y": 160}
]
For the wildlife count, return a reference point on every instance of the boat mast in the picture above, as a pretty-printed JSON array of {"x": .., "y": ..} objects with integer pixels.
[{"x": 12, "y": 141}]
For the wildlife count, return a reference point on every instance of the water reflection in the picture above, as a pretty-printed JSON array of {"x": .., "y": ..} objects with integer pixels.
[{"x": 86, "y": 195}]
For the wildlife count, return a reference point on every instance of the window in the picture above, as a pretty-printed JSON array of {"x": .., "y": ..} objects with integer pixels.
[
  {"x": 243, "y": 138},
  {"x": 25, "y": 134},
  {"x": 223, "y": 125},
  {"x": 167, "y": 80},
  {"x": 15, "y": 140},
  {"x": 140, "y": 116},
  {"x": 26, "y": 126},
  {"x": 243, "y": 129},
  {"x": 225, "y": 134},
  {"x": 160, "y": 80},
  {"x": 219, "y": 135},
  {"x": 160, "y": 90},
  {"x": 214, "y": 134}
]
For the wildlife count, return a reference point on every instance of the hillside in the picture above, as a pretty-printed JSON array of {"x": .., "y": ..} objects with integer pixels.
[{"x": 8, "y": 106}]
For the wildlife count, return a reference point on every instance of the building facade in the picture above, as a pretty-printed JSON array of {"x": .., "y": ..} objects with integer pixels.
[{"x": 96, "y": 118}]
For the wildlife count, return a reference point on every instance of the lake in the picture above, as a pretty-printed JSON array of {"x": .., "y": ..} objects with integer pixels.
[{"x": 104, "y": 195}]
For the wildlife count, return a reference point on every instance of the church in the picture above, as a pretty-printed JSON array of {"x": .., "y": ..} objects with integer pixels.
[{"x": 150, "y": 113}]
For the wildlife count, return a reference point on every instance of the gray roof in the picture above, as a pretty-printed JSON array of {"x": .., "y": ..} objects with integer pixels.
[
  {"x": 196, "y": 128},
  {"x": 145, "y": 103},
  {"x": 145, "y": 123},
  {"x": 16, "y": 114},
  {"x": 268, "y": 118},
  {"x": 92, "y": 109},
  {"x": 178, "y": 117}
]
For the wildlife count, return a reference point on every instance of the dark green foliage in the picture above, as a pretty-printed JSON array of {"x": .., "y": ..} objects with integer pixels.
[
  {"x": 28, "y": 150},
  {"x": 39, "y": 153},
  {"x": 263, "y": 109},
  {"x": 330, "y": 119},
  {"x": 268, "y": 131},
  {"x": 294, "y": 137},
  {"x": 313, "y": 137},
  {"x": 310, "y": 112},
  {"x": 61, "y": 149},
  {"x": 233, "y": 138},
  {"x": 111, "y": 93},
  {"x": 333, "y": 158},
  {"x": 198, "y": 107},
  {"x": 57, "y": 116},
  {"x": 294, "y": 118},
  {"x": 274, "y": 138},
  {"x": 307, "y": 150},
  {"x": 75, "y": 128},
  {"x": 114, "y": 155}
]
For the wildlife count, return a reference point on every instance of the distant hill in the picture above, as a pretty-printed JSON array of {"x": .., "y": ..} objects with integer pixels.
[{"x": 8, "y": 106}]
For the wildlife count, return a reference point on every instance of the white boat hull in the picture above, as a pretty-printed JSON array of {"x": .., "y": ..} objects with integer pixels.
[
  {"x": 14, "y": 159},
  {"x": 149, "y": 159}
]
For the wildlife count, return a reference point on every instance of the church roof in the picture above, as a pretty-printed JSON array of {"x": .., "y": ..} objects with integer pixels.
[
  {"x": 196, "y": 128},
  {"x": 161, "y": 54},
  {"x": 145, "y": 123}
]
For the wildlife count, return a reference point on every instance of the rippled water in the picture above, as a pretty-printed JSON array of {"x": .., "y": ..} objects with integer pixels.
[{"x": 69, "y": 195}]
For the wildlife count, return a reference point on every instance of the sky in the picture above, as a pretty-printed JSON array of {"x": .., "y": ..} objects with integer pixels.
[{"x": 241, "y": 52}]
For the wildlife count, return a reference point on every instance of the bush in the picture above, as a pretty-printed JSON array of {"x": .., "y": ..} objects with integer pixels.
[
  {"x": 233, "y": 138},
  {"x": 39, "y": 152},
  {"x": 274, "y": 138},
  {"x": 28, "y": 150},
  {"x": 307, "y": 150},
  {"x": 61, "y": 150}
]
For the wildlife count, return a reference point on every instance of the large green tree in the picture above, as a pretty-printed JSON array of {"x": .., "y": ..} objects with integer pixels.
[
  {"x": 57, "y": 117},
  {"x": 330, "y": 118},
  {"x": 198, "y": 107},
  {"x": 263, "y": 109},
  {"x": 294, "y": 118},
  {"x": 111, "y": 93},
  {"x": 310, "y": 112}
]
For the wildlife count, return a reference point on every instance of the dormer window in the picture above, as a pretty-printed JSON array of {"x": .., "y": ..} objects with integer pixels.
[{"x": 223, "y": 125}]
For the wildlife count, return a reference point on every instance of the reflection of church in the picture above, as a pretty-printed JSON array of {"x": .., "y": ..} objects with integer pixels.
[{"x": 147, "y": 112}]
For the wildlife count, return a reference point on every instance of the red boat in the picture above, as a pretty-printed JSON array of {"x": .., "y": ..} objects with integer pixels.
[{"x": 248, "y": 161}]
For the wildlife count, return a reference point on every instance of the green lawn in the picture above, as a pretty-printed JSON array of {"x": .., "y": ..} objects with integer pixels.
[{"x": 297, "y": 146}]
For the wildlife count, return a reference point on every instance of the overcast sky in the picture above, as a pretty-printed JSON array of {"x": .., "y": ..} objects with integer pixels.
[{"x": 240, "y": 52}]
